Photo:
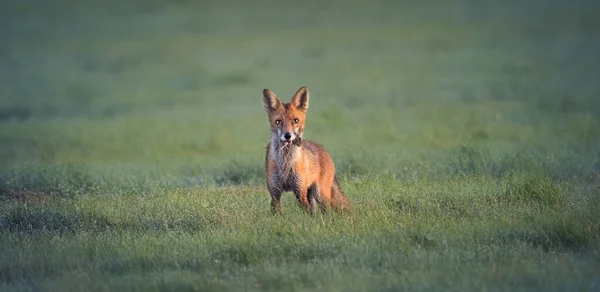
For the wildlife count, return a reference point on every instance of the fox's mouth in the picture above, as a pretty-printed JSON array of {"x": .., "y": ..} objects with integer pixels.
[{"x": 297, "y": 141}]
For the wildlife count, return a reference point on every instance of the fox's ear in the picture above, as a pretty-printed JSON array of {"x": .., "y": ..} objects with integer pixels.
[
  {"x": 300, "y": 99},
  {"x": 270, "y": 100}
]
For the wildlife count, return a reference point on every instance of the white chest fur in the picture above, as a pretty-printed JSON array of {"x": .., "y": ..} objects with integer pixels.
[{"x": 285, "y": 158}]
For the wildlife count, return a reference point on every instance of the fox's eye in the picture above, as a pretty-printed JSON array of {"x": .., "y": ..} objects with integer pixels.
[
  {"x": 296, "y": 120},
  {"x": 277, "y": 122}
]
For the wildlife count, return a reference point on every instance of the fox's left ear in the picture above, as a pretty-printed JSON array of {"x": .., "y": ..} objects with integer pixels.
[
  {"x": 300, "y": 99},
  {"x": 270, "y": 101}
]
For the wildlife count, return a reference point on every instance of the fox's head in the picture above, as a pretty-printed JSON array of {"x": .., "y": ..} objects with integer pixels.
[{"x": 287, "y": 119}]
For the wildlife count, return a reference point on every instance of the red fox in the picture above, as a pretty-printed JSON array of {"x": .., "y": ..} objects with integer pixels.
[{"x": 293, "y": 164}]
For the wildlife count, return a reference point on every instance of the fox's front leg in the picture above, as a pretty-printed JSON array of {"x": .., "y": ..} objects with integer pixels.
[
  {"x": 302, "y": 197},
  {"x": 273, "y": 183},
  {"x": 275, "y": 191},
  {"x": 275, "y": 201}
]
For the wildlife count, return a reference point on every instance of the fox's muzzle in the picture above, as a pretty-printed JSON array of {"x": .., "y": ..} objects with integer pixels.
[{"x": 287, "y": 136}]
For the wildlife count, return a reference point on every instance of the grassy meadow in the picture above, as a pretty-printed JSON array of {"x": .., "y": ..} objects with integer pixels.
[{"x": 465, "y": 133}]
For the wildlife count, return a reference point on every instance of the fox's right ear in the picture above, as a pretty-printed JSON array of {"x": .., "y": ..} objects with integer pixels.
[{"x": 270, "y": 100}]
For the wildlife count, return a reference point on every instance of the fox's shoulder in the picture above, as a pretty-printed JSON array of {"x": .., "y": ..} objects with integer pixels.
[
  {"x": 311, "y": 143},
  {"x": 313, "y": 146}
]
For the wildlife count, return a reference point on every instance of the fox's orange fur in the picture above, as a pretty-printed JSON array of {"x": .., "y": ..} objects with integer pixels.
[{"x": 296, "y": 165}]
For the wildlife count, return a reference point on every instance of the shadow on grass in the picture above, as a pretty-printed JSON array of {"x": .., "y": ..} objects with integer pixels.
[
  {"x": 33, "y": 220},
  {"x": 280, "y": 250},
  {"x": 558, "y": 234},
  {"x": 14, "y": 114},
  {"x": 237, "y": 173},
  {"x": 69, "y": 181},
  {"x": 23, "y": 220},
  {"x": 45, "y": 180},
  {"x": 23, "y": 196}
]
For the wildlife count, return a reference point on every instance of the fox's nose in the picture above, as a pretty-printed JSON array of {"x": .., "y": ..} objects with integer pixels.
[{"x": 287, "y": 135}]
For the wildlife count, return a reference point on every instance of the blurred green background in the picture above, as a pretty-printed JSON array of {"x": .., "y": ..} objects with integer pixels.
[
  {"x": 109, "y": 102},
  {"x": 174, "y": 86}
]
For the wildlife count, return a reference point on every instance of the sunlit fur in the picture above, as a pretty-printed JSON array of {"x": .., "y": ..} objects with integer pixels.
[{"x": 293, "y": 164}]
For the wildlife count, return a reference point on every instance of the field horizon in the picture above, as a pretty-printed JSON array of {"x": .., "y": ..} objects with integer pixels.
[{"x": 466, "y": 135}]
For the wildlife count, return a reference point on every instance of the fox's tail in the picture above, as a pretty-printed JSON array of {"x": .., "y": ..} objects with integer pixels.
[{"x": 339, "y": 201}]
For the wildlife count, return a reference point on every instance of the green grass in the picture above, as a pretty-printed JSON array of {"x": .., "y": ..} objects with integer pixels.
[{"x": 466, "y": 135}]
